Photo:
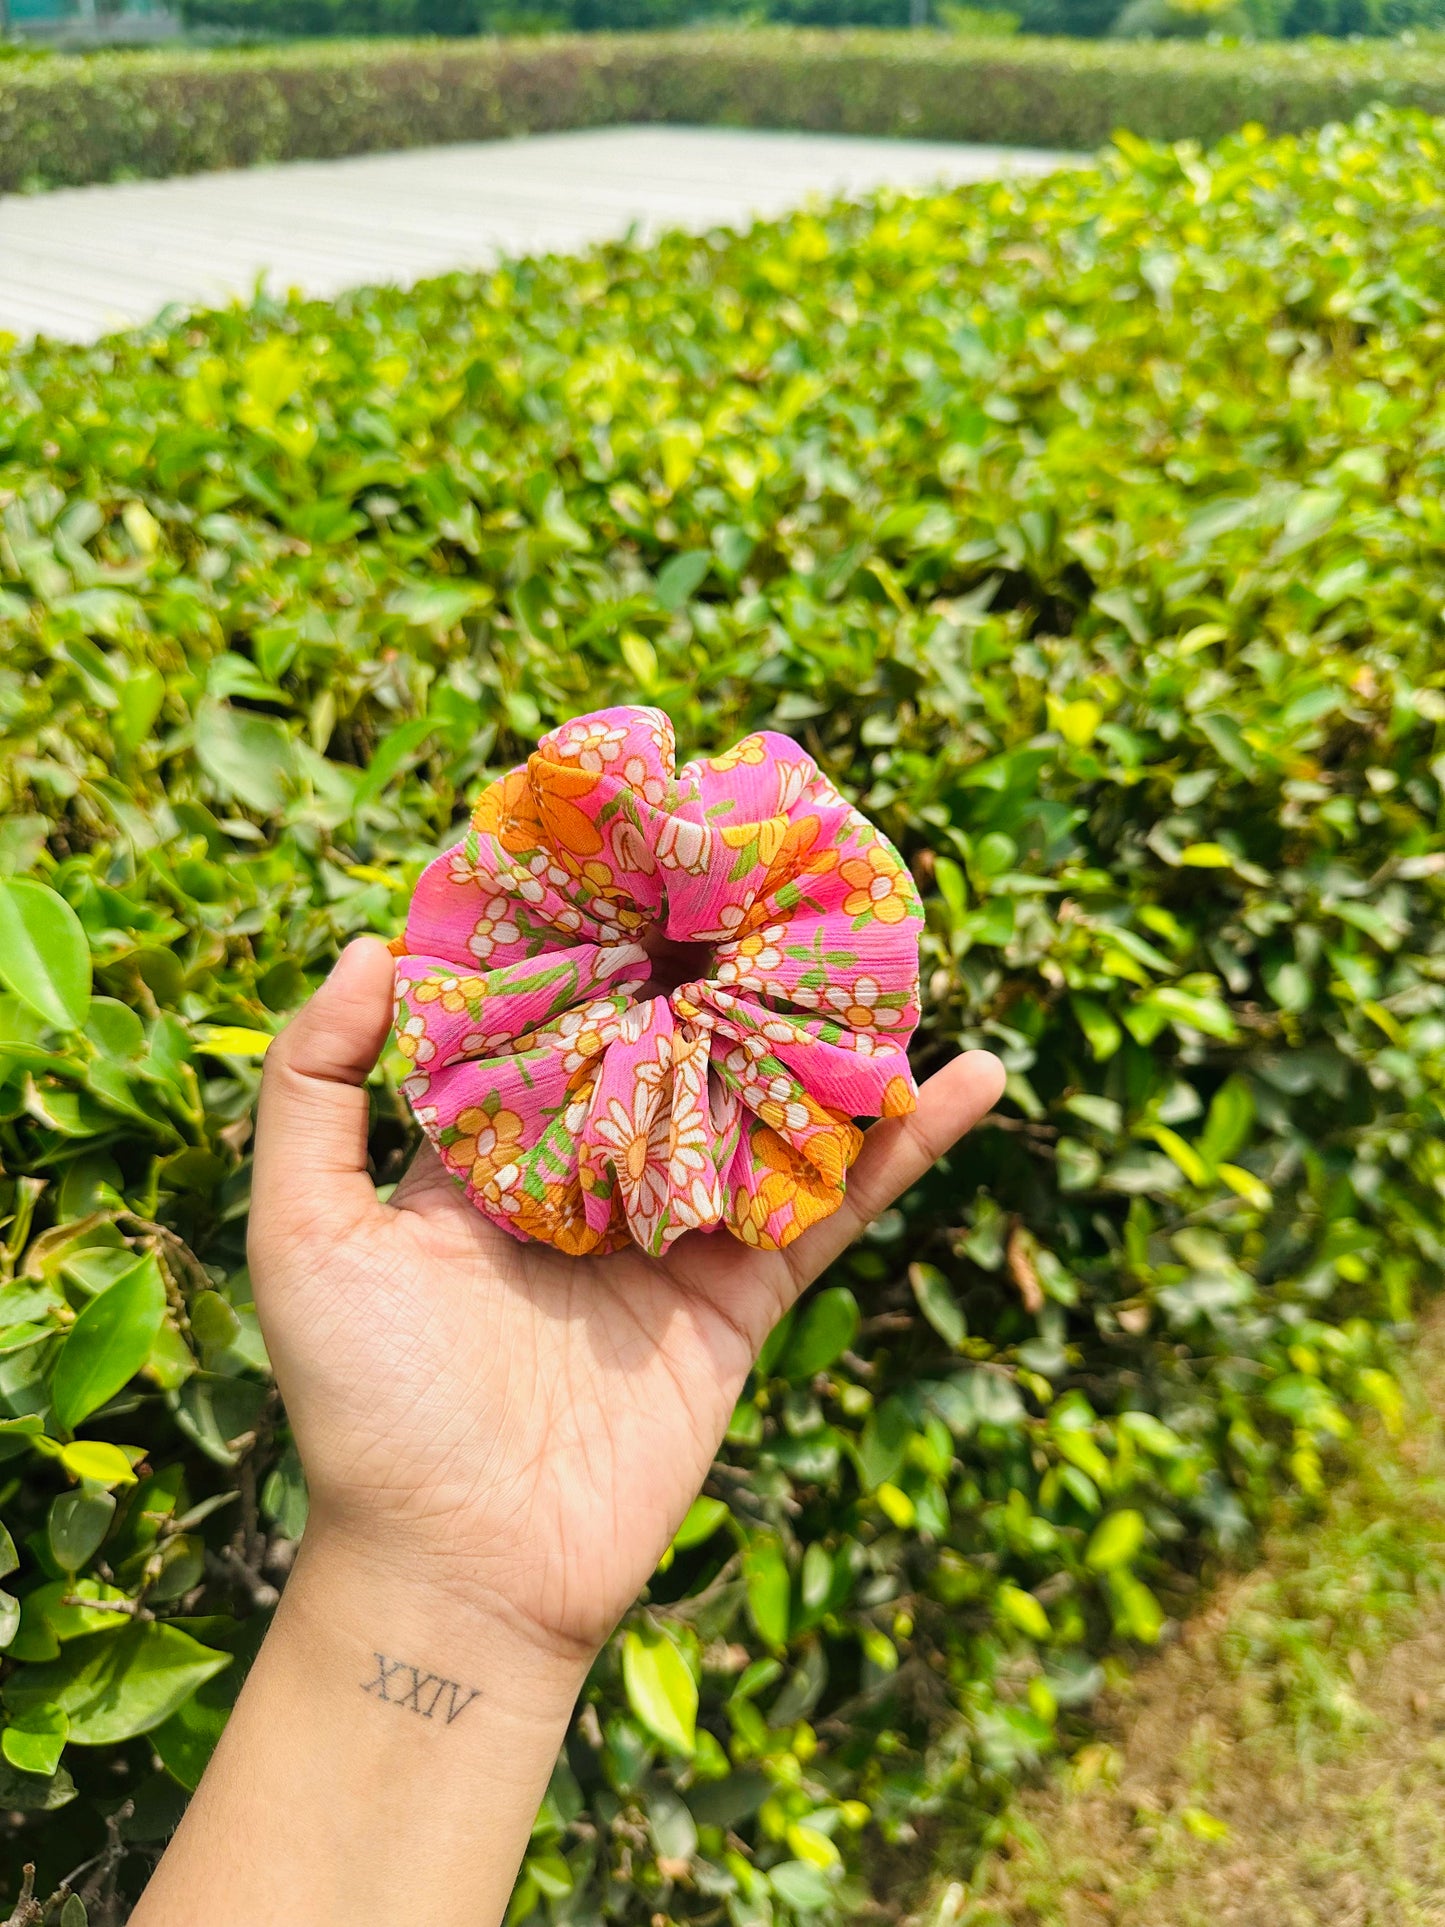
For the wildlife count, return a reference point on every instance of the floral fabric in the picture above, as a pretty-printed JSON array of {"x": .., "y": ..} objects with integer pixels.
[{"x": 581, "y": 1100}]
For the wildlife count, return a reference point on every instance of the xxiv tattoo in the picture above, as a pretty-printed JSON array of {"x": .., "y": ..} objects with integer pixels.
[{"x": 400, "y": 1684}]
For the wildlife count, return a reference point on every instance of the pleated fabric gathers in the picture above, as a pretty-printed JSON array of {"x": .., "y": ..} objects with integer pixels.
[{"x": 640, "y": 1000}]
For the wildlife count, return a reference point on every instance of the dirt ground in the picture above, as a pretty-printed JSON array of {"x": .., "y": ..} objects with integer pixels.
[{"x": 1282, "y": 1763}]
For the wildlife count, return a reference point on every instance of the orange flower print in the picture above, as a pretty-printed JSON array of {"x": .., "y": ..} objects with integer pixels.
[
  {"x": 487, "y": 1145},
  {"x": 832, "y": 1151},
  {"x": 766, "y": 838},
  {"x": 559, "y": 1216},
  {"x": 570, "y": 830},
  {"x": 899, "y": 1098},
  {"x": 608, "y": 904},
  {"x": 508, "y": 811},
  {"x": 800, "y": 855},
  {"x": 879, "y": 886},
  {"x": 807, "y": 1200},
  {"x": 793, "y": 1185},
  {"x": 749, "y": 1220}
]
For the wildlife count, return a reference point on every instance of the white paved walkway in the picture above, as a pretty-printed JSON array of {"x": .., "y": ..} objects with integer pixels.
[{"x": 79, "y": 262}]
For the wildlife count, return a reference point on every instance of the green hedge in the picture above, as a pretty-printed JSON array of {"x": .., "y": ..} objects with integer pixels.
[
  {"x": 65, "y": 122},
  {"x": 1089, "y": 532},
  {"x": 1266, "y": 19}
]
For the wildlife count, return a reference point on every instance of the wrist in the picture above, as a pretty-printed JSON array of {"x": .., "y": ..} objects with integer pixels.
[
  {"x": 394, "y": 1736},
  {"x": 388, "y": 1610}
]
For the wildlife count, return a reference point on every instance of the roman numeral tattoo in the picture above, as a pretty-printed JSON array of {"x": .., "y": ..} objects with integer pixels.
[{"x": 401, "y": 1684}]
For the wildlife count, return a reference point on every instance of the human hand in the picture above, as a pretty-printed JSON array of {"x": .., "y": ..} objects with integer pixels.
[
  {"x": 517, "y": 1429},
  {"x": 500, "y": 1442}
]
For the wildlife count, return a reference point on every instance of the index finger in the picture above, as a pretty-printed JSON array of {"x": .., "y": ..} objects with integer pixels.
[{"x": 897, "y": 1151}]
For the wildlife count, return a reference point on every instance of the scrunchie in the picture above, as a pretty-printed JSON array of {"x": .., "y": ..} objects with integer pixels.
[{"x": 640, "y": 1001}]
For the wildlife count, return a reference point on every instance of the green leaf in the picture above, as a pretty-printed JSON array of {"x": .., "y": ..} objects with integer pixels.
[
  {"x": 34, "y": 1741},
  {"x": 284, "y": 1498},
  {"x": 214, "y": 1324},
  {"x": 44, "y": 956},
  {"x": 397, "y": 748},
  {"x": 1231, "y": 1117},
  {"x": 438, "y": 605},
  {"x": 1102, "y": 1033},
  {"x": 251, "y": 759},
  {"x": 95, "y": 1459},
  {"x": 234, "y": 1040},
  {"x": 217, "y": 1412},
  {"x": 73, "y": 1913},
  {"x": 1183, "y": 1155},
  {"x": 116, "y": 1686},
  {"x": 805, "y": 1887},
  {"x": 817, "y": 1576},
  {"x": 660, "y": 1687},
  {"x": 814, "y": 1847},
  {"x": 25, "y": 1793},
  {"x": 186, "y": 1739},
  {"x": 938, "y": 1304},
  {"x": 1203, "y": 1824},
  {"x": 1193, "y": 1010},
  {"x": 1382, "y": 1391},
  {"x": 108, "y": 1343},
  {"x": 776, "y": 1343},
  {"x": 884, "y": 1444},
  {"x": 9, "y": 1558},
  {"x": 704, "y": 1516},
  {"x": 78, "y": 1522},
  {"x": 1114, "y": 1541},
  {"x": 1137, "y": 1613},
  {"x": 64, "y": 1609},
  {"x": 826, "y": 1327},
  {"x": 141, "y": 696},
  {"x": 1021, "y": 1609},
  {"x": 115, "y": 1029},
  {"x": 680, "y": 576},
  {"x": 551, "y": 1873},
  {"x": 769, "y": 1588}
]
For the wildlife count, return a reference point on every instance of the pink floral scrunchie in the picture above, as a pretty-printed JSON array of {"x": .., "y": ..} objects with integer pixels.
[{"x": 640, "y": 1001}]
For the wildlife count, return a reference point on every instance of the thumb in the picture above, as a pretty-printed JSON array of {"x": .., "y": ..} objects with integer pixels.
[{"x": 310, "y": 1152}]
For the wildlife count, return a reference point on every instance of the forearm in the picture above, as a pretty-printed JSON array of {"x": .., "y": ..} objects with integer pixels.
[{"x": 390, "y": 1748}]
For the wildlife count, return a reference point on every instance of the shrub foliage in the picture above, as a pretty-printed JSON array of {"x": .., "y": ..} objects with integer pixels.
[
  {"x": 1267, "y": 18},
  {"x": 1088, "y": 532},
  {"x": 64, "y": 122}
]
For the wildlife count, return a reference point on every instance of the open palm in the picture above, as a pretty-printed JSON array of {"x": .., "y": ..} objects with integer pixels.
[{"x": 530, "y": 1426}]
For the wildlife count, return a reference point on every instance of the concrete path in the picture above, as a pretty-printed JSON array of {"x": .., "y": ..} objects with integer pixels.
[{"x": 79, "y": 262}]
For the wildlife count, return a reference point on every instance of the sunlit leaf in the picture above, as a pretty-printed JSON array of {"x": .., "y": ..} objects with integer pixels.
[
  {"x": 109, "y": 1342},
  {"x": 44, "y": 956},
  {"x": 660, "y": 1687}
]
